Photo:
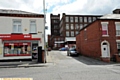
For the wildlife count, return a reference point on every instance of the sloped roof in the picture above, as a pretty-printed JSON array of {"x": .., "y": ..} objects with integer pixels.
[
  {"x": 15, "y": 11},
  {"x": 110, "y": 16}
]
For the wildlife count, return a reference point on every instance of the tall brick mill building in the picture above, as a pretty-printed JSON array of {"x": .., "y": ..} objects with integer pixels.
[
  {"x": 101, "y": 38},
  {"x": 64, "y": 30}
]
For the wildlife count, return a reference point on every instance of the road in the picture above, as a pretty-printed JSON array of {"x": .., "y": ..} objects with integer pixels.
[{"x": 66, "y": 68}]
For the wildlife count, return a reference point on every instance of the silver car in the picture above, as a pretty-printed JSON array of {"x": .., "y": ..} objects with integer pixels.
[{"x": 72, "y": 51}]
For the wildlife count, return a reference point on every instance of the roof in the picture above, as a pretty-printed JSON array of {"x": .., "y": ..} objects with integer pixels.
[
  {"x": 110, "y": 16},
  {"x": 15, "y": 11}
]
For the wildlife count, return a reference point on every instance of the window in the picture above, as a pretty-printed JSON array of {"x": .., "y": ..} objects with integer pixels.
[
  {"x": 89, "y": 19},
  {"x": 33, "y": 27},
  {"x": 77, "y": 32},
  {"x": 81, "y": 26},
  {"x": 17, "y": 49},
  {"x": 85, "y": 25},
  {"x": 67, "y": 19},
  {"x": 55, "y": 39},
  {"x": 85, "y": 19},
  {"x": 58, "y": 45},
  {"x": 56, "y": 21},
  {"x": 67, "y": 26},
  {"x": 104, "y": 28},
  {"x": 117, "y": 28},
  {"x": 55, "y": 31},
  {"x": 72, "y": 27},
  {"x": 17, "y": 26},
  {"x": 118, "y": 47},
  {"x": 71, "y": 19},
  {"x": 76, "y": 26},
  {"x": 76, "y": 19},
  {"x": 94, "y": 18},
  {"x": 80, "y": 19},
  {"x": 72, "y": 33},
  {"x": 55, "y": 27},
  {"x": 67, "y": 33},
  {"x": 58, "y": 39}
]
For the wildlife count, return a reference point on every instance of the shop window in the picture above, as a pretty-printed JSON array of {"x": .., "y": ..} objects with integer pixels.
[{"x": 17, "y": 49}]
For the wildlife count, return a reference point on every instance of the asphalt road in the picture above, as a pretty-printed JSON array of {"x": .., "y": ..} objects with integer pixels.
[{"x": 66, "y": 68}]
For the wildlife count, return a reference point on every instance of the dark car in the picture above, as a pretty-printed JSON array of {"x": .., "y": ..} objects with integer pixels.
[
  {"x": 72, "y": 51},
  {"x": 49, "y": 49}
]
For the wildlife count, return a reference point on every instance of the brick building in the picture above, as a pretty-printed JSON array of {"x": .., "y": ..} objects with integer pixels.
[
  {"x": 64, "y": 30},
  {"x": 101, "y": 38}
]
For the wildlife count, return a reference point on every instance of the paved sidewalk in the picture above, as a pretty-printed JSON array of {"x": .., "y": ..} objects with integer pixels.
[{"x": 33, "y": 63}]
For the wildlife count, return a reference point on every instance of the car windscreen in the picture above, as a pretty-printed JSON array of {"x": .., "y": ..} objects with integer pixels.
[{"x": 72, "y": 49}]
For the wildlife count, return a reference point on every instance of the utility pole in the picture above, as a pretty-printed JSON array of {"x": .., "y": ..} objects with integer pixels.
[{"x": 44, "y": 30}]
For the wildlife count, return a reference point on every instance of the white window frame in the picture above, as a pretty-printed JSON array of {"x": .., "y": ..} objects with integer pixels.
[
  {"x": 34, "y": 25},
  {"x": 117, "y": 23},
  {"x": 118, "y": 42},
  {"x": 17, "y": 26},
  {"x": 105, "y": 23}
]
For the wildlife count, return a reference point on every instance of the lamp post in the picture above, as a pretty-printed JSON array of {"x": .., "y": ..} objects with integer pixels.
[{"x": 44, "y": 31}]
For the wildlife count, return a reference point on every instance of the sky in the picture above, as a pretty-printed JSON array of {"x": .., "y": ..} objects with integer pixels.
[{"x": 79, "y": 7}]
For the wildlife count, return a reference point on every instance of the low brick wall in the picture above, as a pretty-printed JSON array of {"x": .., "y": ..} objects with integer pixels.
[
  {"x": 106, "y": 59},
  {"x": 117, "y": 57}
]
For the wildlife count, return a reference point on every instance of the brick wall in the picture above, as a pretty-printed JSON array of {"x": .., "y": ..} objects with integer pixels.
[{"x": 91, "y": 44}]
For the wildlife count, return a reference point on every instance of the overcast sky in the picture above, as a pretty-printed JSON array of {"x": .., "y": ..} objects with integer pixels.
[{"x": 62, "y": 6}]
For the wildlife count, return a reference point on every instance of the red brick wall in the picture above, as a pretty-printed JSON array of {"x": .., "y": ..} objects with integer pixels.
[{"x": 92, "y": 45}]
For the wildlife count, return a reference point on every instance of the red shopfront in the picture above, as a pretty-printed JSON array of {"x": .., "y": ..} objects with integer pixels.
[{"x": 18, "y": 45}]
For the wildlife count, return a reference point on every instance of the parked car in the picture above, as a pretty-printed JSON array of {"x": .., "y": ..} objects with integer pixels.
[
  {"x": 72, "y": 51},
  {"x": 49, "y": 49},
  {"x": 63, "y": 49}
]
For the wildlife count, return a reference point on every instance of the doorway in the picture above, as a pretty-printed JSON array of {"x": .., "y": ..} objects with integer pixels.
[{"x": 105, "y": 49}]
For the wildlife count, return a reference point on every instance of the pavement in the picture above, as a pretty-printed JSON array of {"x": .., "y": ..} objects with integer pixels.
[{"x": 33, "y": 63}]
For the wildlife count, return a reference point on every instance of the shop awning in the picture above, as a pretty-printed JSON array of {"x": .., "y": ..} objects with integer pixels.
[
  {"x": 22, "y": 39},
  {"x": 70, "y": 39},
  {"x": 59, "y": 42},
  {"x": 4, "y": 37}
]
